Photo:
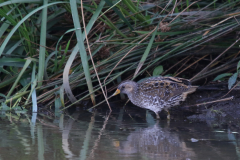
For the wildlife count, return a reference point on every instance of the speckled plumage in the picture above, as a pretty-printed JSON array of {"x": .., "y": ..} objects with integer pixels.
[{"x": 157, "y": 93}]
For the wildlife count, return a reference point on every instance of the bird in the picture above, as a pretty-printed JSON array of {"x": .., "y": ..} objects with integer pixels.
[{"x": 156, "y": 93}]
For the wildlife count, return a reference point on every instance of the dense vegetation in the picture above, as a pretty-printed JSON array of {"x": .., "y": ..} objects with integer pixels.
[{"x": 55, "y": 52}]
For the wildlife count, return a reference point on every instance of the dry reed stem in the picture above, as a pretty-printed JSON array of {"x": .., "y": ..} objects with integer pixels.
[
  {"x": 231, "y": 89},
  {"x": 192, "y": 64},
  {"x": 165, "y": 9},
  {"x": 140, "y": 42},
  {"x": 183, "y": 11},
  {"x": 108, "y": 9},
  {"x": 236, "y": 55},
  {"x": 236, "y": 19},
  {"x": 175, "y": 65},
  {"x": 200, "y": 11},
  {"x": 214, "y": 59},
  {"x": 100, "y": 102},
  {"x": 175, "y": 6},
  {"x": 126, "y": 56},
  {"x": 222, "y": 21},
  {"x": 90, "y": 53},
  {"x": 220, "y": 100},
  {"x": 52, "y": 49},
  {"x": 182, "y": 66},
  {"x": 110, "y": 89},
  {"x": 96, "y": 30},
  {"x": 52, "y": 90},
  {"x": 137, "y": 70},
  {"x": 126, "y": 102}
]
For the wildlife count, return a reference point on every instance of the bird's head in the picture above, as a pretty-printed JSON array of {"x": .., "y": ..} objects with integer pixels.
[{"x": 126, "y": 87}]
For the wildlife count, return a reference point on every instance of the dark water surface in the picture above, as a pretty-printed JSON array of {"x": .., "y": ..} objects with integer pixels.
[{"x": 115, "y": 136}]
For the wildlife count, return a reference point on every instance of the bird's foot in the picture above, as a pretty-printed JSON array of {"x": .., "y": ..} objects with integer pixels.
[
  {"x": 168, "y": 116},
  {"x": 158, "y": 117}
]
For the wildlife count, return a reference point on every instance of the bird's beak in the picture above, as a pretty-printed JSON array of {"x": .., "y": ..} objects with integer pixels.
[{"x": 116, "y": 92}]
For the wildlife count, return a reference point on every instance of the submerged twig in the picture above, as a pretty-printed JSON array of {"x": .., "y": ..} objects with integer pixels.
[
  {"x": 126, "y": 102},
  {"x": 100, "y": 103}
]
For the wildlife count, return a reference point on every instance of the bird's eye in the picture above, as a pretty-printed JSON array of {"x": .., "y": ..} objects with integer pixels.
[{"x": 123, "y": 87}]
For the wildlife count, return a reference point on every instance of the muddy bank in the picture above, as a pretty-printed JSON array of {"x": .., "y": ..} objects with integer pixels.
[{"x": 214, "y": 114}]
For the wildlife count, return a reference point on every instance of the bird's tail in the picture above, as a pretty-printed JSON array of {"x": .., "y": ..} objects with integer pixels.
[{"x": 189, "y": 91}]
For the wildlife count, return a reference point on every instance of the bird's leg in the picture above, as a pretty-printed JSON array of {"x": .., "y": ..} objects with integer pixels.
[
  {"x": 168, "y": 116},
  {"x": 158, "y": 117}
]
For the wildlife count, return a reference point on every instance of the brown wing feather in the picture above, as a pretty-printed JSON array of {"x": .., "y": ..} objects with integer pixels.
[{"x": 166, "y": 87}]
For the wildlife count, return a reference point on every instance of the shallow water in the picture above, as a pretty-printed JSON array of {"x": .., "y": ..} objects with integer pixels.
[{"x": 119, "y": 135}]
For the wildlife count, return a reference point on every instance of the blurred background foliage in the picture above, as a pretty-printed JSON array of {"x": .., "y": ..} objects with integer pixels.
[{"x": 59, "y": 52}]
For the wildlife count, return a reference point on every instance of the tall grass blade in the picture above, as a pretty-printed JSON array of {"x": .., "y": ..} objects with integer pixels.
[
  {"x": 133, "y": 9},
  {"x": 13, "y": 30},
  {"x": 42, "y": 49},
  {"x": 19, "y": 76},
  {"x": 46, "y": 64},
  {"x": 66, "y": 75},
  {"x": 19, "y": 1},
  {"x": 145, "y": 55},
  {"x": 33, "y": 90},
  {"x": 64, "y": 56},
  {"x": 14, "y": 47},
  {"x": 119, "y": 14},
  {"x": 82, "y": 49}
]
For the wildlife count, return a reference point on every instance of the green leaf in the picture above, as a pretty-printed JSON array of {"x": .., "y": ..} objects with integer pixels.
[
  {"x": 158, "y": 70},
  {"x": 42, "y": 49},
  {"x": 2, "y": 95},
  {"x": 19, "y": 110},
  {"x": 222, "y": 76},
  {"x": 238, "y": 66},
  {"x": 10, "y": 60},
  {"x": 232, "y": 80},
  {"x": 4, "y": 107},
  {"x": 18, "y": 1}
]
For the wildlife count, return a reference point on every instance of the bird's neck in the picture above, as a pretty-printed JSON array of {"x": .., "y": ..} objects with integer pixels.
[{"x": 134, "y": 93}]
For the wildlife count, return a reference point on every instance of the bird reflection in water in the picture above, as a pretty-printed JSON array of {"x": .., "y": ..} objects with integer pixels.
[{"x": 156, "y": 143}]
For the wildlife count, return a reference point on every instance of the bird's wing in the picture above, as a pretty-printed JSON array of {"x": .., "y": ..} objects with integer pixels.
[{"x": 166, "y": 87}]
